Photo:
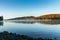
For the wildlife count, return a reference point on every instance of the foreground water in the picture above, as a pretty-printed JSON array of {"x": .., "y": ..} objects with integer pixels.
[{"x": 33, "y": 29}]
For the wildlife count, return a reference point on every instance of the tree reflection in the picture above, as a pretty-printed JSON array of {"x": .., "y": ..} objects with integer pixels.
[
  {"x": 52, "y": 22},
  {"x": 1, "y": 23}
]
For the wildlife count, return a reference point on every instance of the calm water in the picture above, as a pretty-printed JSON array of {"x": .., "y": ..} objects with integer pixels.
[{"x": 34, "y": 29}]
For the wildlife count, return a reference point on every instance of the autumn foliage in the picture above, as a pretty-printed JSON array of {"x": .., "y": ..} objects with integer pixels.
[{"x": 49, "y": 16}]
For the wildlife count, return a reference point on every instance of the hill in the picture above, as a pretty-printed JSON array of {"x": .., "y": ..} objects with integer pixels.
[
  {"x": 23, "y": 18},
  {"x": 49, "y": 16}
]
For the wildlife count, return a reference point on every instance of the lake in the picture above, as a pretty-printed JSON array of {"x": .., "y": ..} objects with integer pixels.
[{"x": 45, "y": 29}]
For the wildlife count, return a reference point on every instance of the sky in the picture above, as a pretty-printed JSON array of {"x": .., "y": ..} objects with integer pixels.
[{"x": 18, "y": 8}]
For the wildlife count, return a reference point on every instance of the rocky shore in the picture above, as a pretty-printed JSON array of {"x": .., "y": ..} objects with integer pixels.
[{"x": 13, "y": 36}]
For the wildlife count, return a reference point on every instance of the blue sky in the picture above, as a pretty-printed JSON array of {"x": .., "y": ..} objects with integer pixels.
[{"x": 17, "y": 8}]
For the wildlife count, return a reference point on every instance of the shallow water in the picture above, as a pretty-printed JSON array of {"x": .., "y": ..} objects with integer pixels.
[{"x": 34, "y": 29}]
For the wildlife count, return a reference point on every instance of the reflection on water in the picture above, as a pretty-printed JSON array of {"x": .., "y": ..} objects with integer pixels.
[
  {"x": 50, "y": 22},
  {"x": 33, "y": 28},
  {"x": 39, "y": 22},
  {"x": 1, "y": 23},
  {"x": 23, "y": 21}
]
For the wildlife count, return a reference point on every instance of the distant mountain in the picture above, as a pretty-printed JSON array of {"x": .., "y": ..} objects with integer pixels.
[
  {"x": 48, "y": 16},
  {"x": 23, "y": 18}
]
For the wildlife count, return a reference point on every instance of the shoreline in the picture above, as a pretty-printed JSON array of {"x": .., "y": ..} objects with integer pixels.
[{"x": 13, "y": 36}]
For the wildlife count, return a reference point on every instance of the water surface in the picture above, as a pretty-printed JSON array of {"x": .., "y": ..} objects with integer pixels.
[{"x": 43, "y": 29}]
